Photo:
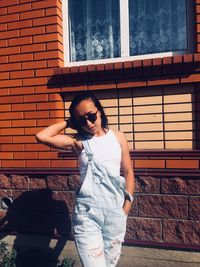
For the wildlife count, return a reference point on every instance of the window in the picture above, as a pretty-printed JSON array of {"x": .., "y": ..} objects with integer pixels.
[
  {"x": 157, "y": 26},
  {"x": 115, "y": 29}
]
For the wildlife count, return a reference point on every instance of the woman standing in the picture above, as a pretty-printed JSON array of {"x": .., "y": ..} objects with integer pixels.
[{"x": 104, "y": 197}]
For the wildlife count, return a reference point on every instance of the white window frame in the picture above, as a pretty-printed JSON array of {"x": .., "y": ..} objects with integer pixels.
[{"x": 124, "y": 38}]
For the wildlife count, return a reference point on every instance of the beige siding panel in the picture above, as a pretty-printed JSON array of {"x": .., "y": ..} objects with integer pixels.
[
  {"x": 177, "y": 98},
  {"x": 178, "y": 117},
  {"x": 125, "y": 110},
  {"x": 146, "y": 127},
  {"x": 70, "y": 131},
  {"x": 112, "y": 119},
  {"x": 126, "y": 119},
  {"x": 67, "y": 105},
  {"x": 114, "y": 127},
  {"x": 179, "y": 135},
  {"x": 109, "y": 102},
  {"x": 125, "y": 101},
  {"x": 66, "y": 113},
  {"x": 148, "y": 136},
  {"x": 148, "y": 100},
  {"x": 126, "y": 127},
  {"x": 148, "y": 118},
  {"x": 149, "y": 145},
  {"x": 111, "y": 111},
  {"x": 178, "y": 107},
  {"x": 179, "y": 145},
  {"x": 147, "y": 109},
  {"x": 179, "y": 126}
]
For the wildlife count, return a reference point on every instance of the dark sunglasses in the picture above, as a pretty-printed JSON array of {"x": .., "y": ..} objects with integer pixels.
[{"x": 90, "y": 117}]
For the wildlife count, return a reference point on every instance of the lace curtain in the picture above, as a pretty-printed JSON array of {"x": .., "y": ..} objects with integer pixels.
[
  {"x": 154, "y": 26},
  {"x": 157, "y": 26},
  {"x": 94, "y": 29}
]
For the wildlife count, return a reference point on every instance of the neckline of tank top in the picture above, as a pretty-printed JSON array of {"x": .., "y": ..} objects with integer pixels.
[
  {"x": 101, "y": 136},
  {"x": 97, "y": 138}
]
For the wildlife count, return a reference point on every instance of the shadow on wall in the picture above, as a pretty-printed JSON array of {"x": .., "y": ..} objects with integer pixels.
[
  {"x": 127, "y": 71},
  {"x": 36, "y": 213}
]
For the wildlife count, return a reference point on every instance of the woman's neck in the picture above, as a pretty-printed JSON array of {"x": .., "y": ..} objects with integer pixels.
[{"x": 101, "y": 132}]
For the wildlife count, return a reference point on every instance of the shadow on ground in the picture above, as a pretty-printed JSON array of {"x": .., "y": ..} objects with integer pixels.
[{"x": 36, "y": 213}]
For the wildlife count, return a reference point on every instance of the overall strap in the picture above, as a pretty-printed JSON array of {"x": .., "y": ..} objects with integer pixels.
[{"x": 88, "y": 150}]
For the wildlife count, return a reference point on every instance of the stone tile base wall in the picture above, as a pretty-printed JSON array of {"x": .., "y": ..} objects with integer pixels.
[{"x": 166, "y": 210}]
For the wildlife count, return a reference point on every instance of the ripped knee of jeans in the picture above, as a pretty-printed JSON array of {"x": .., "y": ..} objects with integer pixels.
[
  {"x": 116, "y": 242},
  {"x": 95, "y": 252},
  {"x": 114, "y": 252}
]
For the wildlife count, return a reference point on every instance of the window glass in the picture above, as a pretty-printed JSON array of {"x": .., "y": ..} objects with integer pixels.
[
  {"x": 157, "y": 26},
  {"x": 94, "y": 29}
]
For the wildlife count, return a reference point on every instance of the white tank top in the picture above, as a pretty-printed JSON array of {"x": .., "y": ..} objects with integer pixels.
[{"x": 106, "y": 150}]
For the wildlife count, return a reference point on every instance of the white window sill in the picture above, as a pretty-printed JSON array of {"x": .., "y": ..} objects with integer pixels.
[{"x": 125, "y": 59}]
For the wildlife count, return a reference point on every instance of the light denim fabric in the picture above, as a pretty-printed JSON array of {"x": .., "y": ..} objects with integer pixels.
[{"x": 99, "y": 221}]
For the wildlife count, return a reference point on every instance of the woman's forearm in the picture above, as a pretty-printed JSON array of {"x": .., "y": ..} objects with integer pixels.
[
  {"x": 130, "y": 184},
  {"x": 51, "y": 130}
]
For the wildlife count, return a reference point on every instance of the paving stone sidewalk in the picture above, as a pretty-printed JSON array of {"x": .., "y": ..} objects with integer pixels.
[
  {"x": 132, "y": 256},
  {"x": 151, "y": 257}
]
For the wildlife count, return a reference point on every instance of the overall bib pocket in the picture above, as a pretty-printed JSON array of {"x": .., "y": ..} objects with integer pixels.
[{"x": 81, "y": 208}]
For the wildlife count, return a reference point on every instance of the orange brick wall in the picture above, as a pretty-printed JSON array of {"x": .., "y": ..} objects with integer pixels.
[{"x": 30, "y": 49}]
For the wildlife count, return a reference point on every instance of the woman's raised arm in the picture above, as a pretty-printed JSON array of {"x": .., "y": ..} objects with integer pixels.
[{"x": 50, "y": 136}]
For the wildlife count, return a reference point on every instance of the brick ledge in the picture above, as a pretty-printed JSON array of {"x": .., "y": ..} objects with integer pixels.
[
  {"x": 71, "y": 171},
  {"x": 137, "y": 73},
  {"x": 135, "y": 154}
]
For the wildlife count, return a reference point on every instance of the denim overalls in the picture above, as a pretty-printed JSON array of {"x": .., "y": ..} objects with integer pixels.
[{"x": 99, "y": 220}]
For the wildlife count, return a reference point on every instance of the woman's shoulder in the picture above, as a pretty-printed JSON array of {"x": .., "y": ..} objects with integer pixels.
[{"x": 119, "y": 135}]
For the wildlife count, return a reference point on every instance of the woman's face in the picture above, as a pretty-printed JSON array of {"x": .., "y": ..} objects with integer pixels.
[{"x": 85, "y": 113}]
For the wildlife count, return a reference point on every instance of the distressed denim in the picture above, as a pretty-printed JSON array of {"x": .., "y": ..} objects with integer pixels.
[{"x": 99, "y": 221}]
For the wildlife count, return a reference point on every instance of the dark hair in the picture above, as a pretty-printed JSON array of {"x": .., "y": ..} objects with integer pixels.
[{"x": 79, "y": 98}]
